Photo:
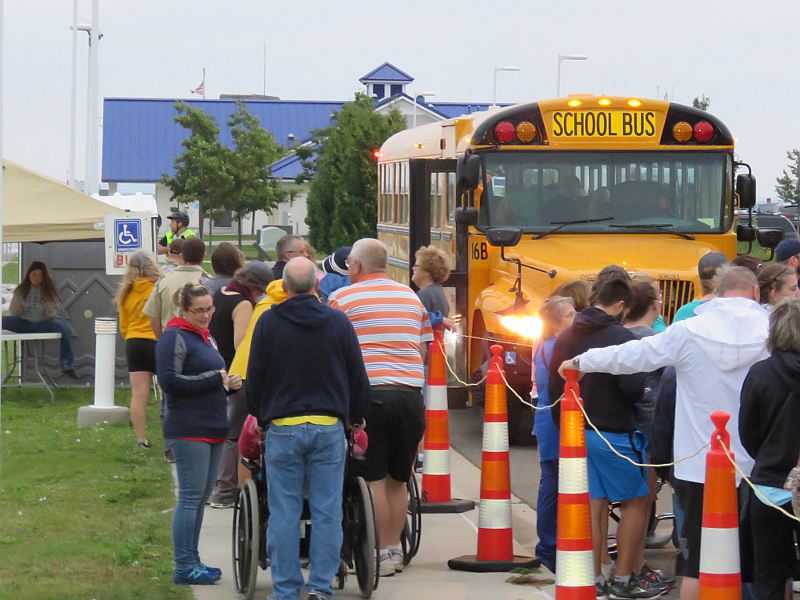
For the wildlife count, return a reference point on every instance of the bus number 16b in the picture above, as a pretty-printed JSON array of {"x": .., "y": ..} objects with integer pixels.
[{"x": 480, "y": 251}]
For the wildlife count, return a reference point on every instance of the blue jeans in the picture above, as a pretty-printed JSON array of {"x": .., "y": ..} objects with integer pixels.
[
  {"x": 66, "y": 355},
  {"x": 547, "y": 514},
  {"x": 196, "y": 464},
  {"x": 304, "y": 457}
]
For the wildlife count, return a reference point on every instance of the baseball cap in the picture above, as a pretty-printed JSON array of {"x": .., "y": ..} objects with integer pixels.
[
  {"x": 255, "y": 274},
  {"x": 337, "y": 262},
  {"x": 709, "y": 263},
  {"x": 786, "y": 249}
]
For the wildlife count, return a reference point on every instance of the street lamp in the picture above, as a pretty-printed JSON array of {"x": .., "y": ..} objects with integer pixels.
[
  {"x": 562, "y": 58},
  {"x": 417, "y": 95},
  {"x": 496, "y": 71}
]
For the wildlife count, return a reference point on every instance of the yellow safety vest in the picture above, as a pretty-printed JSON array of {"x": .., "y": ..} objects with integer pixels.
[{"x": 186, "y": 234}]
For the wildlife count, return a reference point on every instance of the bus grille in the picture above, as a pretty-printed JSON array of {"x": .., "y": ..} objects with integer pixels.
[{"x": 675, "y": 293}]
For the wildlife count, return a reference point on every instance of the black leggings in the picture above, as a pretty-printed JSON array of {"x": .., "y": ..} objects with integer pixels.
[{"x": 772, "y": 542}]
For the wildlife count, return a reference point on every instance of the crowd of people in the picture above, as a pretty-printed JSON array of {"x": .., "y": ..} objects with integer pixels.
[
  {"x": 242, "y": 341},
  {"x": 649, "y": 393}
]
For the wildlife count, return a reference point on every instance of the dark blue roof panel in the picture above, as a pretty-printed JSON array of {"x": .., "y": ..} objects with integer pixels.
[
  {"x": 141, "y": 139},
  {"x": 288, "y": 167},
  {"x": 387, "y": 72},
  {"x": 455, "y": 109}
]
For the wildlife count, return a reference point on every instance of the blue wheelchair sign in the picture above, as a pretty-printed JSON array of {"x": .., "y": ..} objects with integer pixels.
[{"x": 127, "y": 235}]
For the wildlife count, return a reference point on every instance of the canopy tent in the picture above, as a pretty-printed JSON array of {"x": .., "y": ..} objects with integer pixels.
[{"x": 40, "y": 209}]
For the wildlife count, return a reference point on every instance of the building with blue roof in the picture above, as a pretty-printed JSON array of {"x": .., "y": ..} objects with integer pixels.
[{"x": 141, "y": 138}]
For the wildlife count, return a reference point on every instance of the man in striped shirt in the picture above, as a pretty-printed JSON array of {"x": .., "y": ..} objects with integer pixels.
[{"x": 393, "y": 329}]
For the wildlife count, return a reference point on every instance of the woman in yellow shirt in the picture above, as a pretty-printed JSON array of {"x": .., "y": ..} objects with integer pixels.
[{"x": 140, "y": 341}]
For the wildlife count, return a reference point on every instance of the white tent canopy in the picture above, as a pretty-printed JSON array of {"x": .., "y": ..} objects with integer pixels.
[{"x": 40, "y": 209}]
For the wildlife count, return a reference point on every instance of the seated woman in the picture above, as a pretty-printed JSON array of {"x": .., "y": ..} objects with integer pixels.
[{"x": 35, "y": 308}]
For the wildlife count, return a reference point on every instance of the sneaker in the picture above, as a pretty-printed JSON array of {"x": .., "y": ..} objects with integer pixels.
[
  {"x": 144, "y": 444},
  {"x": 214, "y": 571},
  {"x": 386, "y": 566},
  {"x": 71, "y": 373},
  {"x": 632, "y": 589},
  {"x": 195, "y": 576},
  {"x": 230, "y": 504},
  {"x": 315, "y": 595},
  {"x": 396, "y": 556},
  {"x": 601, "y": 590},
  {"x": 168, "y": 455},
  {"x": 655, "y": 576},
  {"x": 796, "y": 586}
]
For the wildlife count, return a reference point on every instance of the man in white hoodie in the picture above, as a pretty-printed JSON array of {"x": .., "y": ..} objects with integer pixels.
[{"x": 712, "y": 354}]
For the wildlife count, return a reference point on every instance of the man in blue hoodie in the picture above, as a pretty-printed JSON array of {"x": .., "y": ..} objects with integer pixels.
[{"x": 305, "y": 415}]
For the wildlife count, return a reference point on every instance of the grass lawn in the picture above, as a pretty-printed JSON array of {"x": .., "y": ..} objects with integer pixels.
[
  {"x": 10, "y": 274},
  {"x": 758, "y": 251},
  {"x": 83, "y": 513}
]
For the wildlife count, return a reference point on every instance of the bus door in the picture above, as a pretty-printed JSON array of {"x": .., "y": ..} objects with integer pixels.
[{"x": 432, "y": 187}]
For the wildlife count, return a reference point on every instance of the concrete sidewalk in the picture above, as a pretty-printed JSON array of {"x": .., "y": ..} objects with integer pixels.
[{"x": 427, "y": 577}]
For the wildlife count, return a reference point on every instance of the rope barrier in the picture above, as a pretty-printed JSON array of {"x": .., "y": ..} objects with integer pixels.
[
  {"x": 525, "y": 402},
  {"x": 454, "y": 374},
  {"x": 761, "y": 496},
  {"x": 630, "y": 460}
]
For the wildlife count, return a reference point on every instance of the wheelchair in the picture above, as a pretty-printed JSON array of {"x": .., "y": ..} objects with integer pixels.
[
  {"x": 655, "y": 539},
  {"x": 412, "y": 529},
  {"x": 360, "y": 550}
]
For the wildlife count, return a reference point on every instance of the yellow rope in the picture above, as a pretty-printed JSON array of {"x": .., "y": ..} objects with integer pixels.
[
  {"x": 750, "y": 483},
  {"x": 452, "y": 371},
  {"x": 520, "y": 398},
  {"x": 634, "y": 463}
]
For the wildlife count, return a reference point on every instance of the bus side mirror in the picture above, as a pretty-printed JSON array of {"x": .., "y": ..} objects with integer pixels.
[
  {"x": 745, "y": 233},
  {"x": 746, "y": 189},
  {"x": 468, "y": 172},
  {"x": 769, "y": 238},
  {"x": 504, "y": 237},
  {"x": 467, "y": 216}
]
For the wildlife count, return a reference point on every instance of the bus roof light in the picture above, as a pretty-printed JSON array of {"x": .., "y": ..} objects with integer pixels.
[
  {"x": 634, "y": 103},
  {"x": 526, "y": 131},
  {"x": 703, "y": 132},
  {"x": 574, "y": 103},
  {"x": 604, "y": 102},
  {"x": 682, "y": 131},
  {"x": 504, "y": 132}
]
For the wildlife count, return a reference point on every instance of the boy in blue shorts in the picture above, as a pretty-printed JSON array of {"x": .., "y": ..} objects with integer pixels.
[{"x": 610, "y": 404}]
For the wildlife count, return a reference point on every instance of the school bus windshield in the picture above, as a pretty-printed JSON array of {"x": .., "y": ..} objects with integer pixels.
[{"x": 620, "y": 192}]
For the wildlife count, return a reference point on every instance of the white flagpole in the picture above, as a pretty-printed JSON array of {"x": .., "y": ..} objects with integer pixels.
[
  {"x": 2, "y": 262},
  {"x": 204, "y": 83}
]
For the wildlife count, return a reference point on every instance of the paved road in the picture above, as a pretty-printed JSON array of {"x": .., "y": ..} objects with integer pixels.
[{"x": 466, "y": 428}]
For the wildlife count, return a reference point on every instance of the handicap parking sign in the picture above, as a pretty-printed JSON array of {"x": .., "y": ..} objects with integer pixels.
[
  {"x": 511, "y": 357},
  {"x": 127, "y": 235}
]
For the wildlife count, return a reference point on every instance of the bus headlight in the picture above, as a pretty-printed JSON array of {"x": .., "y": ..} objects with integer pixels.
[{"x": 527, "y": 327}]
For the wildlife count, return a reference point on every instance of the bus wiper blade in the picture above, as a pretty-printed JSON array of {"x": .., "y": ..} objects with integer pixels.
[
  {"x": 658, "y": 226},
  {"x": 562, "y": 224}
]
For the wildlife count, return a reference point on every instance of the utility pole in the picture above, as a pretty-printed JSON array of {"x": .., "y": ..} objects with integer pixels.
[{"x": 92, "y": 185}]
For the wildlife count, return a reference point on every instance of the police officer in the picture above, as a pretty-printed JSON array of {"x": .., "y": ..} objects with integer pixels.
[{"x": 178, "y": 228}]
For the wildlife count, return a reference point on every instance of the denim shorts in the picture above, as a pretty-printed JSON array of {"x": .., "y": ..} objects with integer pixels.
[{"x": 613, "y": 477}]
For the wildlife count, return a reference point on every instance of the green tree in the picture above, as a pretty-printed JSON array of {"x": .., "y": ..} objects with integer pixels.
[
  {"x": 249, "y": 165},
  {"x": 342, "y": 199},
  {"x": 701, "y": 102},
  {"x": 201, "y": 172},
  {"x": 788, "y": 185}
]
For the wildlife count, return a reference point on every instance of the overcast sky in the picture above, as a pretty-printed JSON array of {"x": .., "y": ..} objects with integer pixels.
[{"x": 739, "y": 53}]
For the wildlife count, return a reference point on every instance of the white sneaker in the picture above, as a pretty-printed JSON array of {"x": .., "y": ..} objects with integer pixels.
[
  {"x": 386, "y": 565},
  {"x": 796, "y": 587},
  {"x": 607, "y": 570},
  {"x": 396, "y": 556}
]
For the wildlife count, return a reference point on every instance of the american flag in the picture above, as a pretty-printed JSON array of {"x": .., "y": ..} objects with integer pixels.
[{"x": 200, "y": 89}]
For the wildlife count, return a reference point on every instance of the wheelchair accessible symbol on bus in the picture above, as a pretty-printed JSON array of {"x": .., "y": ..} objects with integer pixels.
[{"x": 127, "y": 235}]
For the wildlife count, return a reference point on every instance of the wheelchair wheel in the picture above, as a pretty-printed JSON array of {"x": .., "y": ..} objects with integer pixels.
[
  {"x": 246, "y": 540},
  {"x": 412, "y": 530},
  {"x": 366, "y": 552}
]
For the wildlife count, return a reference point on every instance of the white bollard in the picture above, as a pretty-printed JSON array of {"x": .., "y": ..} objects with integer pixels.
[
  {"x": 103, "y": 411},
  {"x": 105, "y": 330}
]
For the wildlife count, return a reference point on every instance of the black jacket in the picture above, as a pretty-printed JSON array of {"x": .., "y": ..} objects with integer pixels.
[
  {"x": 305, "y": 360},
  {"x": 277, "y": 269},
  {"x": 610, "y": 400},
  {"x": 769, "y": 417}
]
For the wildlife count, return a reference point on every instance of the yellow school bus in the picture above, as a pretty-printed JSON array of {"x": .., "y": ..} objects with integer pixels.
[{"x": 529, "y": 197}]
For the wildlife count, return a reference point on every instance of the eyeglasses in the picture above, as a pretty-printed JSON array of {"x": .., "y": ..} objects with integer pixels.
[{"x": 203, "y": 311}]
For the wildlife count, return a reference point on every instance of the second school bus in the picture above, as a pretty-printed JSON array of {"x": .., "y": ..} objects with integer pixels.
[{"x": 568, "y": 186}]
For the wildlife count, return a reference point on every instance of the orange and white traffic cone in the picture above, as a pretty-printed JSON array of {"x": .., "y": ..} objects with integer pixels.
[
  {"x": 574, "y": 565},
  {"x": 436, "y": 496},
  {"x": 495, "y": 537},
  {"x": 720, "y": 578}
]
